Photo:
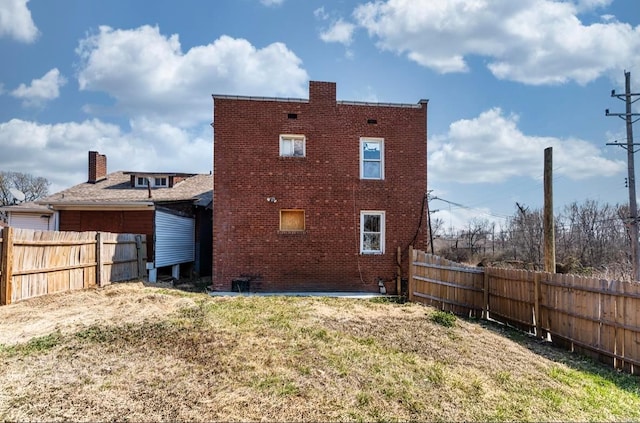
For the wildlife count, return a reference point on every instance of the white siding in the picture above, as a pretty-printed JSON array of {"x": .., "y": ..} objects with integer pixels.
[
  {"x": 174, "y": 240},
  {"x": 31, "y": 221}
]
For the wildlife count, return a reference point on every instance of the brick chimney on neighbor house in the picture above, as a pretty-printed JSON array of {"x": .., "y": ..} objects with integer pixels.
[{"x": 97, "y": 167}]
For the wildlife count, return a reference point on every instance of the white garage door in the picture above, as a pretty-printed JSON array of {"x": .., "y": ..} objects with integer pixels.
[{"x": 31, "y": 221}]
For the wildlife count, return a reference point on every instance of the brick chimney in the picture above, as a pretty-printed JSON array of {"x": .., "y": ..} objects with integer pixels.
[
  {"x": 322, "y": 92},
  {"x": 97, "y": 167}
]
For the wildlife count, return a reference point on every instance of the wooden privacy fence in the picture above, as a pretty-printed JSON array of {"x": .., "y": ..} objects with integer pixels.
[
  {"x": 593, "y": 316},
  {"x": 34, "y": 263}
]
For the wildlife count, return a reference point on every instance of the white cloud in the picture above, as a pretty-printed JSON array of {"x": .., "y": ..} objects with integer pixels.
[
  {"x": 321, "y": 14},
  {"x": 339, "y": 32},
  {"x": 41, "y": 90},
  {"x": 16, "y": 22},
  {"x": 530, "y": 41},
  {"x": 272, "y": 2},
  {"x": 491, "y": 149},
  {"x": 149, "y": 76},
  {"x": 62, "y": 149}
]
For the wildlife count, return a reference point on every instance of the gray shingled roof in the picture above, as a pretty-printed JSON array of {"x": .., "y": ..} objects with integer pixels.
[{"x": 117, "y": 188}]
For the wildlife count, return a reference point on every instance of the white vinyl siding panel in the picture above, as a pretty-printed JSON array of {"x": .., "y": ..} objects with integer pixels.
[{"x": 174, "y": 239}]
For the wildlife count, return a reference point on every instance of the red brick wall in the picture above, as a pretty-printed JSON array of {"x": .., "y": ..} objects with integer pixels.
[{"x": 326, "y": 184}]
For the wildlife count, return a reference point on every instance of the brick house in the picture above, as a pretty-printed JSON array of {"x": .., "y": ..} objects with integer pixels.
[
  {"x": 317, "y": 194},
  {"x": 172, "y": 209}
]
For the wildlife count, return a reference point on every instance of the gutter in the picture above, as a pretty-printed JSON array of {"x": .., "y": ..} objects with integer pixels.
[
  {"x": 94, "y": 206},
  {"x": 26, "y": 210}
]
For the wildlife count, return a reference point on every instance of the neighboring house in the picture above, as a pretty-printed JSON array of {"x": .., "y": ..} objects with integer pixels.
[
  {"x": 317, "y": 194},
  {"x": 170, "y": 208},
  {"x": 30, "y": 215}
]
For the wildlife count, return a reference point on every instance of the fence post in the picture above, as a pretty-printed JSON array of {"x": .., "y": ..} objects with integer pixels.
[
  {"x": 6, "y": 261},
  {"x": 536, "y": 304},
  {"x": 399, "y": 272},
  {"x": 139, "y": 257},
  {"x": 485, "y": 292},
  {"x": 99, "y": 262},
  {"x": 411, "y": 283}
]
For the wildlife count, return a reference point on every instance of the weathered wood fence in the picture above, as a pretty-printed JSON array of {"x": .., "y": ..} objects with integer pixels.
[
  {"x": 592, "y": 316},
  {"x": 34, "y": 263}
]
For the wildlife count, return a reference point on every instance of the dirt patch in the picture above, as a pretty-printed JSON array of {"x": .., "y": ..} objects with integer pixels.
[{"x": 69, "y": 311}]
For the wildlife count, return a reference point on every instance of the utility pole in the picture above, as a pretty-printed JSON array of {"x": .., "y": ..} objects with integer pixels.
[
  {"x": 427, "y": 199},
  {"x": 630, "y": 147},
  {"x": 549, "y": 228}
]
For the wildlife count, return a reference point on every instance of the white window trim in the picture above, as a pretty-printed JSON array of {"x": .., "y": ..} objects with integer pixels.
[
  {"x": 284, "y": 137},
  {"x": 145, "y": 182},
  {"x": 370, "y": 139},
  {"x": 382, "y": 231},
  {"x": 150, "y": 181}
]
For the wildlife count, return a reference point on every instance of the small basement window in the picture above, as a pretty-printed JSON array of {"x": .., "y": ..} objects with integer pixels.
[
  {"x": 291, "y": 220},
  {"x": 372, "y": 121},
  {"x": 292, "y": 116}
]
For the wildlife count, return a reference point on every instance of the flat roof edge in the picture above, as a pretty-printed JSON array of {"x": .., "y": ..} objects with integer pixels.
[
  {"x": 303, "y": 100},
  {"x": 366, "y": 103},
  {"x": 246, "y": 97}
]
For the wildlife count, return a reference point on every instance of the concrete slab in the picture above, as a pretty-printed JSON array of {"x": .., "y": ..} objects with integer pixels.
[{"x": 363, "y": 295}]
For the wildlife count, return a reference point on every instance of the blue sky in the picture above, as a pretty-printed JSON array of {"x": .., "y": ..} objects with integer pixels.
[{"x": 505, "y": 79}]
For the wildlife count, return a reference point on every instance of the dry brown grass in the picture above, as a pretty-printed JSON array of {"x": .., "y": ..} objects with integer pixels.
[{"x": 135, "y": 353}]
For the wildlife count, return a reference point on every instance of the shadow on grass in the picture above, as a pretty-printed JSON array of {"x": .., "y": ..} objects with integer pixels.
[{"x": 575, "y": 361}]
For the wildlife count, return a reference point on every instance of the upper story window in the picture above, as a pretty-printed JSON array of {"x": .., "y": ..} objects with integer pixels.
[
  {"x": 292, "y": 146},
  {"x": 150, "y": 181},
  {"x": 371, "y": 158}
]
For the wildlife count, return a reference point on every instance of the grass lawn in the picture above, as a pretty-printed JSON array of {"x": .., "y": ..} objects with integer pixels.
[{"x": 137, "y": 353}]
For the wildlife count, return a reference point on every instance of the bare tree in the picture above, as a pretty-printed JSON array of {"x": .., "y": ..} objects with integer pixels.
[
  {"x": 33, "y": 187},
  {"x": 591, "y": 237},
  {"x": 437, "y": 227},
  {"x": 475, "y": 234},
  {"x": 525, "y": 235},
  {"x": 593, "y": 234}
]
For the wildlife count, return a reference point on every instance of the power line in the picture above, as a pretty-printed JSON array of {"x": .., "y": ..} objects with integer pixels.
[{"x": 462, "y": 206}]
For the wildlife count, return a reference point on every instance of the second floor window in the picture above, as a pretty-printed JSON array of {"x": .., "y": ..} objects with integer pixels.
[
  {"x": 145, "y": 181},
  {"x": 371, "y": 158},
  {"x": 292, "y": 146}
]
